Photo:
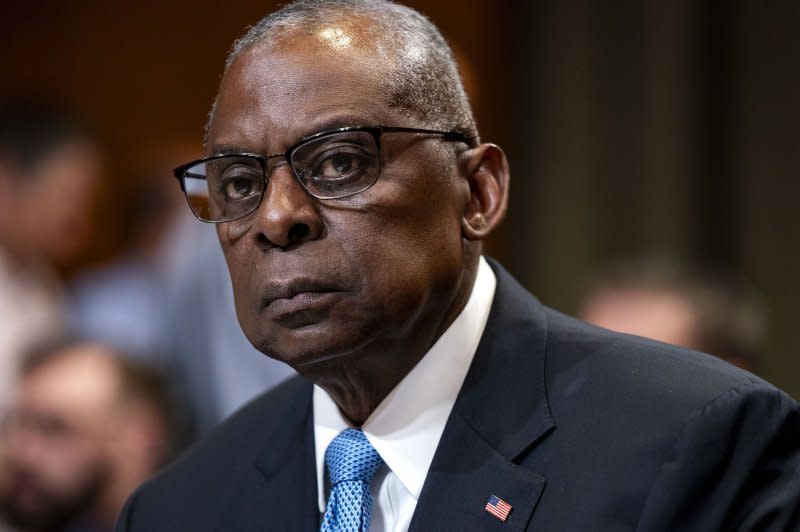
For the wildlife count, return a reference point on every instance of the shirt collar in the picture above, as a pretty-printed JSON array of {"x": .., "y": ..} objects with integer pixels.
[{"x": 407, "y": 425}]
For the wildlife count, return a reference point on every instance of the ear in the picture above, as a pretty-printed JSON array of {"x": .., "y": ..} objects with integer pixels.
[{"x": 485, "y": 168}]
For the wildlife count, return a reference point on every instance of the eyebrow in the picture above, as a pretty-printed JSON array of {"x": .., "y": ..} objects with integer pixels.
[
  {"x": 229, "y": 149},
  {"x": 328, "y": 125}
]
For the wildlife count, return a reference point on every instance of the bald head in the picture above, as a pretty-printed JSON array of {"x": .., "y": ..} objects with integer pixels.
[{"x": 407, "y": 51}]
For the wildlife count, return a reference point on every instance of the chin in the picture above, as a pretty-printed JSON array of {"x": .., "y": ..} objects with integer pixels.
[
  {"x": 308, "y": 359},
  {"x": 308, "y": 349}
]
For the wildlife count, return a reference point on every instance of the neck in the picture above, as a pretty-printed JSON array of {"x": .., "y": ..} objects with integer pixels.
[
  {"x": 358, "y": 388},
  {"x": 359, "y": 382}
]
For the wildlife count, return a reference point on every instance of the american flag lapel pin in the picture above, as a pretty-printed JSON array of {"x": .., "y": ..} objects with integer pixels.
[{"x": 498, "y": 507}]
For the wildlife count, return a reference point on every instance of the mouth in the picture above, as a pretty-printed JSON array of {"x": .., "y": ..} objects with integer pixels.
[{"x": 298, "y": 300}]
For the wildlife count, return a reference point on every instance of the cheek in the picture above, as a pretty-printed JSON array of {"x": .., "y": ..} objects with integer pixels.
[
  {"x": 404, "y": 256},
  {"x": 233, "y": 248},
  {"x": 426, "y": 225},
  {"x": 244, "y": 286},
  {"x": 231, "y": 232}
]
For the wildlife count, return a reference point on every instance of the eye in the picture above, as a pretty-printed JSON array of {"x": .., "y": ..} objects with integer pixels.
[
  {"x": 238, "y": 188},
  {"x": 239, "y": 183},
  {"x": 337, "y": 164}
]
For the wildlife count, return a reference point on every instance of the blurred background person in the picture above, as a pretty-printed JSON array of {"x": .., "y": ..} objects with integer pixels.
[
  {"x": 49, "y": 166},
  {"x": 705, "y": 309},
  {"x": 87, "y": 427}
]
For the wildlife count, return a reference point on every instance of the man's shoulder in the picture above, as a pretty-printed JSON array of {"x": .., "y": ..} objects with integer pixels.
[
  {"x": 640, "y": 381},
  {"x": 637, "y": 423},
  {"x": 636, "y": 365},
  {"x": 248, "y": 430},
  {"x": 210, "y": 472},
  {"x": 647, "y": 391},
  {"x": 660, "y": 421}
]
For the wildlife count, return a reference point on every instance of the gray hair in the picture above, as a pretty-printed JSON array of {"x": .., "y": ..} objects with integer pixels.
[{"x": 422, "y": 80}]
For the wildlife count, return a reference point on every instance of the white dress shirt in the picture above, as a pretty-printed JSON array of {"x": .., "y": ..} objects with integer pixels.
[{"x": 406, "y": 427}]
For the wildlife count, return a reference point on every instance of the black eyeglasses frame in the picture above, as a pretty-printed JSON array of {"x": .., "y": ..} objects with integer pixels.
[{"x": 376, "y": 132}]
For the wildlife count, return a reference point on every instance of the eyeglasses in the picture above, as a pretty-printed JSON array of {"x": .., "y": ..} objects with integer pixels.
[{"x": 328, "y": 165}]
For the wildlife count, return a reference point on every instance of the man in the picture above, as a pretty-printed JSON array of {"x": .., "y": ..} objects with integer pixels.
[
  {"x": 87, "y": 427},
  {"x": 711, "y": 311},
  {"x": 352, "y": 193}
]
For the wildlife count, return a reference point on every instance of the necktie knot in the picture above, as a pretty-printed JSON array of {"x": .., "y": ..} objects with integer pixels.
[
  {"x": 352, "y": 462},
  {"x": 350, "y": 456}
]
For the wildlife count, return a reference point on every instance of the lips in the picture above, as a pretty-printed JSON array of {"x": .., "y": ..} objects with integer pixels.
[{"x": 295, "y": 294}]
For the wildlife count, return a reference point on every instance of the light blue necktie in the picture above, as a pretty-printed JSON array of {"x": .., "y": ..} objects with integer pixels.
[{"x": 351, "y": 462}]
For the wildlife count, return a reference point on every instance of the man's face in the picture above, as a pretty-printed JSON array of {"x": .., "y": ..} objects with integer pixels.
[
  {"x": 55, "y": 444},
  {"x": 321, "y": 280}
]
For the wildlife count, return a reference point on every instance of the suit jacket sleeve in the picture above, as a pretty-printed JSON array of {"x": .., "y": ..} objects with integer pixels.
[{"x": 734, "y": 466}]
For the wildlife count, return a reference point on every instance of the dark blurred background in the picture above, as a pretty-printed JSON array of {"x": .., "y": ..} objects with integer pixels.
[{"x": 633, "y": 127}]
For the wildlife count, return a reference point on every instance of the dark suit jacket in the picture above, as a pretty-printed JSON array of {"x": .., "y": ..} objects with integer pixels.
[{"x": 579, "y": 429}]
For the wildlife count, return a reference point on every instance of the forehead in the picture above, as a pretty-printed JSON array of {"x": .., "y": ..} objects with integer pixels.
[{"x": 274, "y": 94}]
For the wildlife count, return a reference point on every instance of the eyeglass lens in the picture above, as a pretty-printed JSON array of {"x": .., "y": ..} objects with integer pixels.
[{"x": 331, "y": 166}]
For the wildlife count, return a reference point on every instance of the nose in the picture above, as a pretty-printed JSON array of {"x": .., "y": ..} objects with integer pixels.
[{"x": 288, "y": 215}]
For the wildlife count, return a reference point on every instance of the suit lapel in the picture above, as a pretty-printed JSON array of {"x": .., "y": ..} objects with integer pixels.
[
  {"x": 500, "y": 414},
  {"x": 280, "y": 490}
]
